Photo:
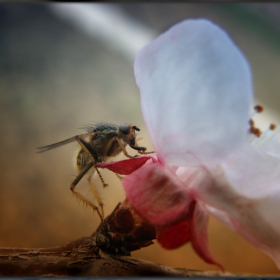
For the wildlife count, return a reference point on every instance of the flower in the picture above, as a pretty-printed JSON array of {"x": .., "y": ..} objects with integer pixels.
[{"x": 196, "y": 92}]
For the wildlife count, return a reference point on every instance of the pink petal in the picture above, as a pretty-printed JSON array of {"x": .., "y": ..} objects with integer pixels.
[
  {"x": 175, "y": 235},
  {"x": 200, "y": 236},
  {"x": 157, "y": 194},
  {"x": 195, "y": 90},
  {"x": 192, "y": 228},
  {"x": 179, "y": 233},
  {"x": 126, "y": 166}
]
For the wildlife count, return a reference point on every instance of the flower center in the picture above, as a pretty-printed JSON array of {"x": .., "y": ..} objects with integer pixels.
[{"x": 261, "y": 138}]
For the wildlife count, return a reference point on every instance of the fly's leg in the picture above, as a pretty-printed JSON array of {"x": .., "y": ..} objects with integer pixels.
[
  {"x": 79, "y": 196},
  {"x": 119, "y": 176},
  {"x": 100, "y": 203},
  {"x": 142, "y": 150},
  {"x": 123, "y": 148},
  {"x": 100, "y": 177},
  {"x": 91, "y": 153},
  {"x": 87, "y": 148},
  {"x": 145, "y": 153}
]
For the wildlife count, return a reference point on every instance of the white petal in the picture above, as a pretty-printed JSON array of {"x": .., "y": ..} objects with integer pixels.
[
  {"x": 269, "y": 142},
  {"x": 195, "y": 93},
  {"x": 245, "y": 192},
  {"x": 220, "y": 215},
  {"x": 253, "y": 172}
]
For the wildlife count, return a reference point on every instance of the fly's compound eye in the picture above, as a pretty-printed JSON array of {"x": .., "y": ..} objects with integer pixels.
[{"x": 125, "y": 129}]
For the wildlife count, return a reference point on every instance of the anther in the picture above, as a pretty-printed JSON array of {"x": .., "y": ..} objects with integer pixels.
[
  {"x": 254, "y": 130},
  {"x": 258, "y": 108},
  {"x": 272, "y": 126}
]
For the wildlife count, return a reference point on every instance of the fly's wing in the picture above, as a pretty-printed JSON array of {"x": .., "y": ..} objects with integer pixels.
[{"x": 43, "y": 149}]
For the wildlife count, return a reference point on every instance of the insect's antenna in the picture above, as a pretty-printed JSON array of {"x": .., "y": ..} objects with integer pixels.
[{"x": 136, "y": 128}]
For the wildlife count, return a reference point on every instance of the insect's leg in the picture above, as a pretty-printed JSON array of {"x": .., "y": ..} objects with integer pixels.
[
  {"x": 100, "y": 177},
  {"x": 87, "y": 148},
  {"x": 100, "y": 203},
  {"x": 79, "y": 196},
  {"x": 145, "y": 153},
  {"x": 91, "y": 153},
  {"x": 142, "y": 150},
  {"x": 123, "y": 148},
  {"x": 84, "y": 200},
  {"x": 119, "y": 176}
]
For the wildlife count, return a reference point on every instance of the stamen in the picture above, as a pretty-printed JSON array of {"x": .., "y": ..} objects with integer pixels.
[
  {"x": 254, "y": 130},
  {"x": 262, "y": 137},
  {"x": 251, "y": 123},
  {"x": 258, "y": 108},
  {"x": 257, "y": 132},
  {"x": 269, "y": 136},
  {"x": 272, "y": 126}
]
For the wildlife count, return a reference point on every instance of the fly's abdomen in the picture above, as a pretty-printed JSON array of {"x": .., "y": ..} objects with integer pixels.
[{"x": 82, "y": 159}]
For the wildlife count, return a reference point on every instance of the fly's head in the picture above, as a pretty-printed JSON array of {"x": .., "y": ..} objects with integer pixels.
[{"x": 127, "y": 134}]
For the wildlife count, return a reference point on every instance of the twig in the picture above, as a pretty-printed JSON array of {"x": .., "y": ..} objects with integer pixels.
[{"x": 102, "y": 254}]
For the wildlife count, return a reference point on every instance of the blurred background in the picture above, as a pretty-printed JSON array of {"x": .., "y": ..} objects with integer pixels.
[{"x": 64, "y": 66}]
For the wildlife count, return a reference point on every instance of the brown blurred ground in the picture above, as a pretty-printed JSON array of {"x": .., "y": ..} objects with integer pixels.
[{"x": 54, "y": 80}]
